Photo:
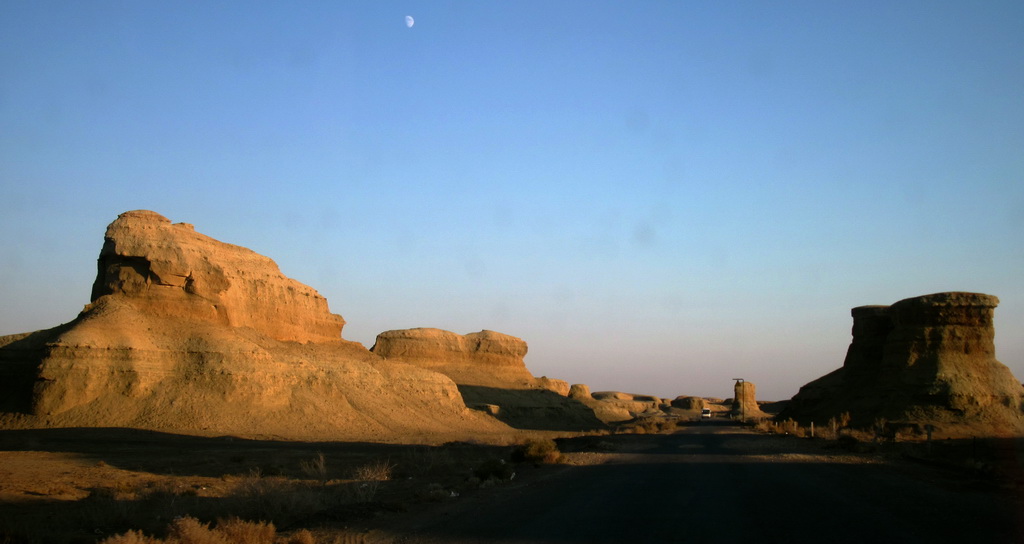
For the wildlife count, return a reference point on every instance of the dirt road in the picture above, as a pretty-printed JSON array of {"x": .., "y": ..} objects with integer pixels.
[{"x": 714, "y": 483}]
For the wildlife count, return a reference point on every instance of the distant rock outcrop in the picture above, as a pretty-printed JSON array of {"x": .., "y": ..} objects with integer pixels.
[
  {"x": 614, "y": 406},
  {"x": 186, "y": 333},
  {"x": 491, "y": 374},
  {"x": 484, "y": 358},
  {"x": 744, "y": 401},
  {"x": 688, "y": 403},
  {"x": 928, "y": 360}
]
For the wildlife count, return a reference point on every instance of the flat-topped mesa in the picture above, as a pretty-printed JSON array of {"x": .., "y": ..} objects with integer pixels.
[
  {"x": 927, "y": 360},
  {"x": 486, "y": 358},
  {"x": 942, "y": 347},
  {"x": 170, "y": 270}
]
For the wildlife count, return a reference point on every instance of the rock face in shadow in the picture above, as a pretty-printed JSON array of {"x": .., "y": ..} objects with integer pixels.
[
  {"x": 186, "y": 333},
  {"x": 928, "y": 360},
  {"x": 693, "y": 404}
]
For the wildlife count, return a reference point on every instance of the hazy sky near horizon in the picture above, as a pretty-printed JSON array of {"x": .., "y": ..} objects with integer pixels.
[{"x": 658, "y": 196}]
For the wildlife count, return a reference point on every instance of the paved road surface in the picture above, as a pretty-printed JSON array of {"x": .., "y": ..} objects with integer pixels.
[{"x": 713, "y": 484}]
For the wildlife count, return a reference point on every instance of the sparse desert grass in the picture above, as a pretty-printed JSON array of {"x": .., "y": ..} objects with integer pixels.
[
  {"x": 189, "y": 530},
  {"x": 369, "y": 478},
  {"x": 379, "y": 471},
  {"x": 145, "y": 490},
  {"x": 316, "y": 468}
]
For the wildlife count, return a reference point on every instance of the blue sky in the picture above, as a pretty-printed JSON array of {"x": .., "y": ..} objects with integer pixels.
[{"x": 656, "y": 196}]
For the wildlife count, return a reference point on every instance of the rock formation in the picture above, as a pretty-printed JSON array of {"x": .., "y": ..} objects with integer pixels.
[
  {"x": 484, "y": 358},
  {"x": 695, "y": 404},
  {"x": 579, "y": 391},
  {"x": 170, "y": 270},
  {"x": 186, "y": 333},
  {"x": 615, "y": 406},
  {"x": 744, "y": 401},
  {"x": 928, "y": 360},
  {"x": 491, "y": 374}
]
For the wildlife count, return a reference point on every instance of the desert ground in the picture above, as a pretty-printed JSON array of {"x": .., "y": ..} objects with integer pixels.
[{"x": 691, "y": 479}]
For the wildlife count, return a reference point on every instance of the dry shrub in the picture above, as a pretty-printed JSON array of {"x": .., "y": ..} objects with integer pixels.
[
  {"x": 791, "y": 427},
  {"x": 247, "y": 532},
  {"x": 539, "y": 451},
  {"x": 379, "y": 471},
  {"x": 368, "y": 479},
  {"x": 189, "y": 530},
  {"x": 131, "y": 537},
  {"x": 301, "y": 537},
  {"x": 316, "y": 468}
]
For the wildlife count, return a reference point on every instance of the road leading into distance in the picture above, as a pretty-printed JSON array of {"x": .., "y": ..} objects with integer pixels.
[{"x": 717, "y": 483}]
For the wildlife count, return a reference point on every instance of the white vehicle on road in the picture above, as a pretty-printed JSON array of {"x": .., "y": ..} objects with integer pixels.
[{"x": 705, "y": 414}]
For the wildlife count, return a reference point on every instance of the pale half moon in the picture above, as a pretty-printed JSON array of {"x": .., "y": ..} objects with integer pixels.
[{"x": 409, "y": 21}]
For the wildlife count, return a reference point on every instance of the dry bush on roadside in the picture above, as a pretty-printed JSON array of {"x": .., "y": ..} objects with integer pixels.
[
  {"x": 826, "y": 433},
  {"x": 792, "y": 428},
  {"x": 539, "y": 451},
  {"x": 248, "y": 532},
  {"x": 189, "y": 530},
  {"x": 301, "y": 537},
  {"x": 131, "y": 537}
]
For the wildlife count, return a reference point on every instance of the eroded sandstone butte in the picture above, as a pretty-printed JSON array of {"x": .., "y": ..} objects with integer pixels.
[
  {"x": 170, "y": 270},
  {"x": 928, "y": 360},
  {"x": 744, "y": 401},
  {"x": 484, "y": 358},
  {"x": 491, "y": 374},
  {"x": 186, "y": 333}
]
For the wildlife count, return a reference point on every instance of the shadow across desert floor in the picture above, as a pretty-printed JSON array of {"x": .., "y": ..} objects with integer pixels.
[
  {"x": 709, "y": 479},
  {"x": 532, "y": 409},
  {"x": 75, "y": 485}
]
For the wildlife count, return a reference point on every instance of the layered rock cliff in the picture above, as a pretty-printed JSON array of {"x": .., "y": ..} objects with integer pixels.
[
  {"x": 170, "y": 270},
  {"x": 484, "y": 358},
  {"x": 928, "y": 360}
]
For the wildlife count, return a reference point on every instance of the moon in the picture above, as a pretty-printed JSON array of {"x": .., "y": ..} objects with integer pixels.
[{"x": 409, "y": 21}]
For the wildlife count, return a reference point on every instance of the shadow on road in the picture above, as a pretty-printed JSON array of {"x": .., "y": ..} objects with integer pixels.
[{"x": 713, "y": 486}]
